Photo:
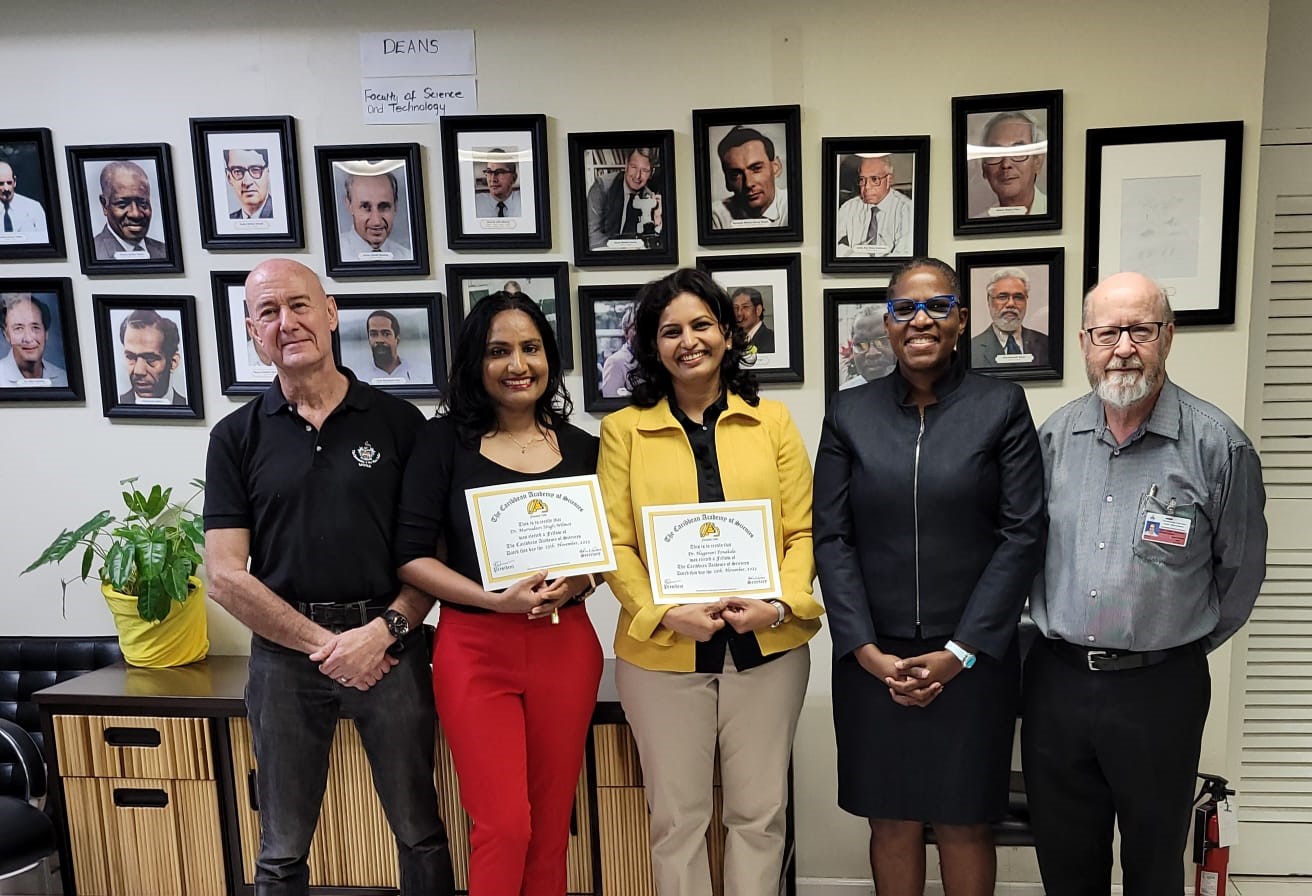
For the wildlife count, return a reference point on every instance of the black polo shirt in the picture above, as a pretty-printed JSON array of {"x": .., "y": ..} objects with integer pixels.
[{"x": 320, "y": 504}]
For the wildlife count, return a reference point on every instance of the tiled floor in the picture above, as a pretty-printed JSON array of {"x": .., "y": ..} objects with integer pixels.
[{"x": 1270, "y": 886}]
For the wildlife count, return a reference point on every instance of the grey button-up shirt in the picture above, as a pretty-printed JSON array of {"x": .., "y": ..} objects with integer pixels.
[{"x": 1102, "y": 584}]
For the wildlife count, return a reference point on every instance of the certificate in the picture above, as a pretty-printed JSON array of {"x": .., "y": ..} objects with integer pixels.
[
  {"x": 701, "y": 553},
  {"x": 557, "y": 525}
]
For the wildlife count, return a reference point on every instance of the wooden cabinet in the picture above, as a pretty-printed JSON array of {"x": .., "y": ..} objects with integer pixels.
[{"x": 152, "y": 777}]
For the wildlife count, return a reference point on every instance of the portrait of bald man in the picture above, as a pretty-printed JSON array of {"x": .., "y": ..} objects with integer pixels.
[{"x": 22, "y": 219}]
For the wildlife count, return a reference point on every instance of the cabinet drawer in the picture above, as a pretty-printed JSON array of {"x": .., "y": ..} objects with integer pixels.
[
  {"x": 134, "y": 747},
  {"x": 139, "y": 835}
]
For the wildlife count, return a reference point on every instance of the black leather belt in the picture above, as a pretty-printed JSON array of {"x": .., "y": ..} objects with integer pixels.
[
  {"x": 337, "y": 617},
  {"x": 1097, "y": 659}
]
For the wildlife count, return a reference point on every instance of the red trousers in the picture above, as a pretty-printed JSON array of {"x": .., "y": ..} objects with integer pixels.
[{"x": 514, "y": 698}]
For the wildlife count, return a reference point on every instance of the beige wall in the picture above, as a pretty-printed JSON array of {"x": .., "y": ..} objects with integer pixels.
[{"x": 856, "y": 68}]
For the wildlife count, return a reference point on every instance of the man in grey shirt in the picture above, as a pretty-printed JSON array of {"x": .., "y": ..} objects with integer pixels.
[{"x": 1156, "y": 551}]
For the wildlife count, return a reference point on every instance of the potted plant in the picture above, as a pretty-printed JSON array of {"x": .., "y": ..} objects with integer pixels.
[{"x": 147, "y": 573}]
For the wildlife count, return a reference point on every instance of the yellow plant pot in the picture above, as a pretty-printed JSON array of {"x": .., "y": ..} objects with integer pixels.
[{"x": 180, "y": 639}]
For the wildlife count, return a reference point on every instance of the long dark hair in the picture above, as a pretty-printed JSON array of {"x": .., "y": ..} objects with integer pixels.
[
  {"x": 467, "y": 402},
  {"x": 651, "y": 381}
]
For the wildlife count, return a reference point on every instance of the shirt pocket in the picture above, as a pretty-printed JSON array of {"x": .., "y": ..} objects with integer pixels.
[{"x": 1154, "y": 519}]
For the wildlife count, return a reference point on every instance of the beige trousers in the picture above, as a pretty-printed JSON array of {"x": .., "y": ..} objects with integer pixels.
[{"x": 678, "y": 719}]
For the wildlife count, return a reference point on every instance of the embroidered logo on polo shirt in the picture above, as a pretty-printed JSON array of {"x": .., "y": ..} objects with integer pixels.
[{"x": 366, "y": 455}]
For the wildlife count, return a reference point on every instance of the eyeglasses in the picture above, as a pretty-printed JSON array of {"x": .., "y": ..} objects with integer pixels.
[
  {"x": 874, "y": 179},
  {"x": 937, "y": 307},
  {"x": 497, "y": 172},
  {"x": 865, "y": 345},
  {"x": 238, "y": 172},
  {"x": 1139, "y": 333},
  {"x": 995, "y": 161}
]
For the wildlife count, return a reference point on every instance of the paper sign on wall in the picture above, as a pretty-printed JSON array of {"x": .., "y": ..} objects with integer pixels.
[
  {"x": 394, "y": 54},
  {"x": 417, "y": 100}
]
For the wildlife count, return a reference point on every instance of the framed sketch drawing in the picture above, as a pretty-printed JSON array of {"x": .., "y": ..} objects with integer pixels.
[
  {"x": 39, "y": 357},
  {"x": 546, "y": 283},
  {"x": 766, "y": 292},
  {"x": 1164, "y": 201},
  {"x": 622, "y": 191},
  {"x": 372, "y": 202},
  {"x": 1015, "y": 299},
  {"x": 394, "y": 342},
  {"x": 247, "y": 182},
  {"x": 31, "y": 223},
  {"x": 495, "y": 172},
  {"x": 149, "y": 361},
  {"x": 1006, "y": 162},
  {"x": 747, "y": 166},
  {"x": 876, "y": 202},
  {"x": 124, "y": 206},
  {"x": 856, "y": 346}
]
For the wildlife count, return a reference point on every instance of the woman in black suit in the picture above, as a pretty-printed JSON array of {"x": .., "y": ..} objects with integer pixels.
[{"x": 929, "y": 525}]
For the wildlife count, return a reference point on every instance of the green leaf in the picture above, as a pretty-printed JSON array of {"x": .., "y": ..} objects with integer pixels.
[
  {"x": 155, "y": 504},
  {"x": 87, "y": 558},
  {"x": 133, "y": 501},
  {"x": 175, "y": 579},
  {"x": 67, "y": 540},
  {"x": 193, "y": 530},
  {"x": 152, "y": 546},
  {"x": 153, "y": 603},
  {"x": 120, "y": 565}
]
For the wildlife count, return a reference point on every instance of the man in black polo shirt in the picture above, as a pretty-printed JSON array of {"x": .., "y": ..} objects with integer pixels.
[{"x": 303, "y": 483}]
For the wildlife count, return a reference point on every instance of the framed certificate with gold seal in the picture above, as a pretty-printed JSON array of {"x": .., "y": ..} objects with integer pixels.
[{"x": 701, "y": 553}]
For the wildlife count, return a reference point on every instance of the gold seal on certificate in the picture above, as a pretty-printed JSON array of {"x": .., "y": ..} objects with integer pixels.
[
  {"x": 557, "y": 525},
  {"x": 701, "y": 553}
]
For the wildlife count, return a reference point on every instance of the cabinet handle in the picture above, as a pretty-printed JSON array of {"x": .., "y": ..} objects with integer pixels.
[
  {"x": 132, "y": 737},
  {"x": 252, "y": 791},
  {"x": 140, "y": 798},
  {"x": 574, "y": 817}
]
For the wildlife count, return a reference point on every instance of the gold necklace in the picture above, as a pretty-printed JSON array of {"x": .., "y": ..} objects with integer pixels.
[{"x": 524, "y": 446}]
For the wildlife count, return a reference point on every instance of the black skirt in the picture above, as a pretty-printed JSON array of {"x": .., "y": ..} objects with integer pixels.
[{"x": 948, "y": 762}]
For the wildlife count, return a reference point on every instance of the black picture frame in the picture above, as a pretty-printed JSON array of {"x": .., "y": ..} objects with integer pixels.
[
  {"x": 425, "y": 368},
  {"x": 99, "y": 249},
  {"x": 49, "y": 322},
  {"x": 470, "y": 146},
  {"x": 546, "y": 283},
  {"x": 845, "y": 216},
  {"x": 977, "y": 205},
  {"x": 347, "y": 252},
  {"x": 31, "y": 179},
  {"x": 602, "y": 315},
  {"x": 1178, "y": 177},
  {"x": 775, "y": 279},
  {"x": 717, "y": 222},
  {"x": 844, "y": 309},
  {"x": 600, "y": 165},
  {"x": 242, "y": 371},
  {"x": 117, "y": 393},
  {"x": 247, "y": 212},
  {"x": 1042, "y": 332}
]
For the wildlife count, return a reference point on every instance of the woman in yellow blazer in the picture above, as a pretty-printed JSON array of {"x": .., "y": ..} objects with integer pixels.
[{"x": 732, "y": 674}]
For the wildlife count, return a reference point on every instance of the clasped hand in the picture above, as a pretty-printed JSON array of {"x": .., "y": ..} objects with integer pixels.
[
  {"x": 913, "y": 681},
  {"x": 540, "y": 598},
  {"x": 358, "y": 657},
  {"x": 701, "y": 621}
]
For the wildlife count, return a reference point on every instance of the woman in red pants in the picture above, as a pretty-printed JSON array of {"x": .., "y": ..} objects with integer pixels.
[{"x": 514, "y": 672}]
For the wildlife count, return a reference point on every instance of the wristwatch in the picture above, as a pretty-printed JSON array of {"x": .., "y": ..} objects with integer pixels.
[
  {"x": 782, "y": 609},
  {"x": 397, "y": 624},
  {"x": 967, "y": 658}
]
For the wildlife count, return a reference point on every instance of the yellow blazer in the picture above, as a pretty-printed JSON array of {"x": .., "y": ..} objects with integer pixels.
[{"x": 646, "y": 460}]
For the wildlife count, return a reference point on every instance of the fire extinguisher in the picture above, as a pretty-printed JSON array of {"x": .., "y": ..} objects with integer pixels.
[{"x": 1210, "y": 856}]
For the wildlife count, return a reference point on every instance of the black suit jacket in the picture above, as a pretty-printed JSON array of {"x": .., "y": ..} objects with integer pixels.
[
  {"x": 763, "y": 340},
  {"x": 266, "y": 212},
  {"x": 984, "y": 348}
]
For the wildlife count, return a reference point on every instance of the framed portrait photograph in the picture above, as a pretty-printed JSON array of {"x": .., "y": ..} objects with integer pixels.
[
  {"x": 31, "y": 223},
  {"x": 371, "y": 198},
  {"x": 125, "y": 209},
  {"x": 546, "y": 283},
  {"x": 394, "y": 342},
  {"x": 1015, "y": 300},
  {"x": 495, "y": 172},
  {"x": 39, "y": 357},
  {"x": 747, "y": 166},
  {"x": 149, "y": 360},
  {"x": 856, "y": 349},
  {"x": 1006, "y": 162},
  {"x": 766, "y": 292},
  {"x": 606, "y": 330},
  {"x": 876, "y": 203},
  {"x": 1164, "y": 201},
  {"x": 244, "y": 369},
  {"x": 247, "y": 182},
  {"x": 622, "y": 191}
]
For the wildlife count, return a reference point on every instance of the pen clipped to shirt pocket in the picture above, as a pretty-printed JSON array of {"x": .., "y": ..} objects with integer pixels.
[{"x": 1166, "y": 530}]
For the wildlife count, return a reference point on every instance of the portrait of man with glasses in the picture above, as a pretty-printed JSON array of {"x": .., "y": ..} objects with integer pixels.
[
  {"x": 1014, "y": 184},
  {"x": 247, "y": 174},
  {"x": 878, "y": 220},
  {"x": 496, "y": 183}
]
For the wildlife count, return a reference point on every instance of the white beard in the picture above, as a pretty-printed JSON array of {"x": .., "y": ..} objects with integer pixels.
[{"x": 1121, "y": 391}]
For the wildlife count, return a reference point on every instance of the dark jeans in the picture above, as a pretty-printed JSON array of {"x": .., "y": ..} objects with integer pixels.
[
  {"x": 1104, "y": 748},
  {"x": 293, "y": 710}
]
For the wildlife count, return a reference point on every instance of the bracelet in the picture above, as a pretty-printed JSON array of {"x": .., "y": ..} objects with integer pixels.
[
  {"x": 586, "y": 592},
  {"x": 782, "y": 609}
]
